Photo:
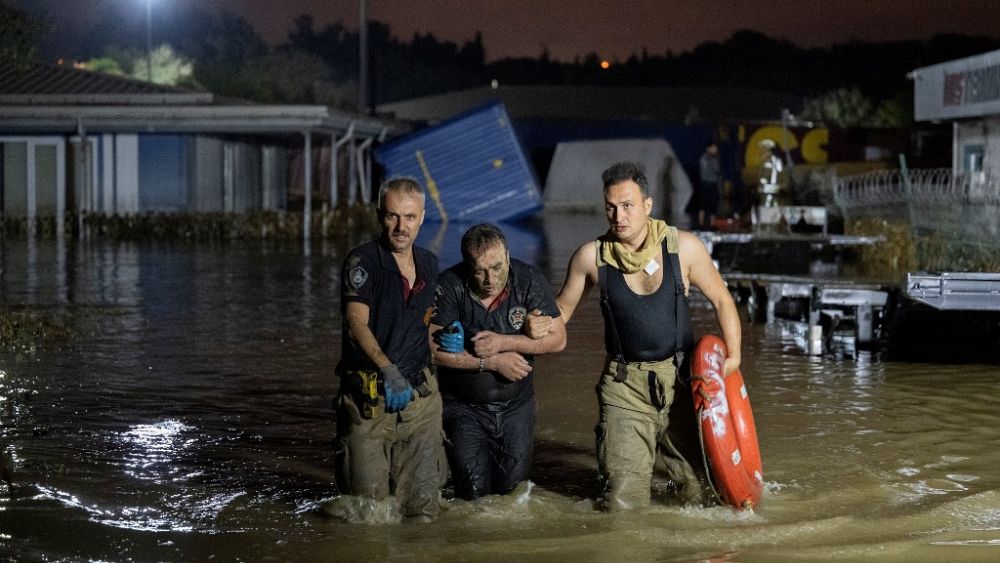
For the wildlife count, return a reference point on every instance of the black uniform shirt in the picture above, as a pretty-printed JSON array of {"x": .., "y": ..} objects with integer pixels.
[
  {"x": 526, "y": 290},
  {"x": 370, "y": 276}
]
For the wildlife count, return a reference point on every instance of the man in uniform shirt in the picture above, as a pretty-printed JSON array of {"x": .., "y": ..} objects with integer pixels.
[
  {"x": 389, "y": 437},
  {"x": 485, "y": 362}
]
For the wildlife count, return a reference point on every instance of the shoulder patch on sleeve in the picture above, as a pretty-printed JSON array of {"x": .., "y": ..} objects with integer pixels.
[{"x": 358, "y": 276}]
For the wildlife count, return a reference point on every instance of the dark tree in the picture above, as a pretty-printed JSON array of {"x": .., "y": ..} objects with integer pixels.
[{"x": 18, "y": 35}]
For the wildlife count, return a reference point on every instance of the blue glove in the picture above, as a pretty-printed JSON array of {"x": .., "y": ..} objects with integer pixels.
[
  {"x": 453, "y": 338},
  {"x": 397, "y": 389}
]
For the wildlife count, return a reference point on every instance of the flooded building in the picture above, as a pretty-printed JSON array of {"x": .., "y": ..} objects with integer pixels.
[{"x": 77, "y": 141}]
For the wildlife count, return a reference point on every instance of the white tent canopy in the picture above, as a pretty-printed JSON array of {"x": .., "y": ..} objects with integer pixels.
[{"x": 574, "y": 180}]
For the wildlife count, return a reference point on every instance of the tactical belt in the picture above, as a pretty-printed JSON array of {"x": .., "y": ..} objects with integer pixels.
[{"x": 367, "y": 385}]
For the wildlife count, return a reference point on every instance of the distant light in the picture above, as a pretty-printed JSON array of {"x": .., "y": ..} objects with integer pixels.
[
  {"x": 605, "y": 65},
  {"x": 59, "y": 61},
  {"x": 494, "y": 83}
]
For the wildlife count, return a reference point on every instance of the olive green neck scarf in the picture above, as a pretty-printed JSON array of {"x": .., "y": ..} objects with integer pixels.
[{"x": 614, "y": 253}]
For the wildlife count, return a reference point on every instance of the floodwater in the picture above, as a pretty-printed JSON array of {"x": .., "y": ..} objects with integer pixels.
[{"x": 189, "y": 418}]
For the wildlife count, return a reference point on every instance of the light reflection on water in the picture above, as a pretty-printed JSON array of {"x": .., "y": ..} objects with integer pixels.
[
  {"x": 191, "y": 418},
  {"x": 153, "y": 447}
]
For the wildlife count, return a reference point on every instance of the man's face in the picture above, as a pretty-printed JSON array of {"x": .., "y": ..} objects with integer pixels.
[
  {"x": 490, "y": 270},
  {"x": 626, "y": 210},
  {"x": 402, "y": 214},
  {"x": 712, "y": 150}
]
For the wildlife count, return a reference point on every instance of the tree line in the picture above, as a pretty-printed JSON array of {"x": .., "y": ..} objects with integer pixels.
[{"x": 319, "y": 64}]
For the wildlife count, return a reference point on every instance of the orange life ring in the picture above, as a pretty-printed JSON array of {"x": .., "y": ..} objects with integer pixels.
[{"x": 728, "y": 433}]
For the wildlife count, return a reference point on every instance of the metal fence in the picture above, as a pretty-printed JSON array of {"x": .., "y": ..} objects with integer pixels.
[
  {"x": 951, "y": 217},
  {"x": 931, "y": 199}
]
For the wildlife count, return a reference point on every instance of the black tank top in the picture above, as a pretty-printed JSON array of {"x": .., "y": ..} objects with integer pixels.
[{"x": 649, "y": 327}]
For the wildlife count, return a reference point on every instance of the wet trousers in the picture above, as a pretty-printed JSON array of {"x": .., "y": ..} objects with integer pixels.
[
  {"x": 636, "y": 433},
  {"x": 489, "y": 447},
  {"x": 394, "y": 453}
]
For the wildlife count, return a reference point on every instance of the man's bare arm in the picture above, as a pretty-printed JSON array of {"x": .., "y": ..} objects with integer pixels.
[
  {"x": 357, "y": 326},
  {"x": 489, "y": 343},
  {"x": 581, "y": 275},
  {"x": 702, "y": 273}
]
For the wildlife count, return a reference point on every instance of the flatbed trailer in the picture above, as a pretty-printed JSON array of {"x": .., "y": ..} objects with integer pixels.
[{"x": 945, "y": 314}]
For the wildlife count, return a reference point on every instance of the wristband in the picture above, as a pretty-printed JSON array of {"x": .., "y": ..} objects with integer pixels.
[{"x": 482, "y": 364}]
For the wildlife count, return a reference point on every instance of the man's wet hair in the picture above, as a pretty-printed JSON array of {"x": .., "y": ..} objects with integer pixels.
[
  {"x": 626, "y": 170},
  {"x": 402, "y": 184},
  {"x": 480, "y": 237}
]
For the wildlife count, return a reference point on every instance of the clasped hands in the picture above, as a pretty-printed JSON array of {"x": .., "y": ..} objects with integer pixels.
[{"x": 489, "y": 346}]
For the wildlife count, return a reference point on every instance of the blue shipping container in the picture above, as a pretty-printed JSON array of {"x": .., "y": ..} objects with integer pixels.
[{"x": 472, "y": 166}]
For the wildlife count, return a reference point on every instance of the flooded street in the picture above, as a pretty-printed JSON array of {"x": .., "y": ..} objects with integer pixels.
[{"x": 190, "y": 418}]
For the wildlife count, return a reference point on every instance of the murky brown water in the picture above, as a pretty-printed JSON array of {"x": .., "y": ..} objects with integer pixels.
[{"x": 190, "y": 420}]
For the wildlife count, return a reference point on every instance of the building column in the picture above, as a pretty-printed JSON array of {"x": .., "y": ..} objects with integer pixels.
[
  {"x": 334, "y": 164},
  {"x": 364, "y": 171},
  {"x": 307, "y": 187}
]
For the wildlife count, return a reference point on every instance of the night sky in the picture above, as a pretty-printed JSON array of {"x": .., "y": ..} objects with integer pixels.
[{"x": 566, "y": 28}]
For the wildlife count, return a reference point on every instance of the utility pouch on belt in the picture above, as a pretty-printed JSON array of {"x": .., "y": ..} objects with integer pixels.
[{"x": 367, "y": 382}]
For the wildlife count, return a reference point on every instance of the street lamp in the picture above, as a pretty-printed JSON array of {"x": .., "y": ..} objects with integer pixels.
[{"x": 149, "y": 40}]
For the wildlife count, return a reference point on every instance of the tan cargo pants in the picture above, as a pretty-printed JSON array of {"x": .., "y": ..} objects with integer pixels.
[
  {"x": 643, "y": 425},
  {"x": 394, "y": 453}
]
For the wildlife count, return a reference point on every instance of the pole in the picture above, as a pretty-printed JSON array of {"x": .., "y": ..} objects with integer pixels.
[
  {"x": 307, "y": 184},
  {"x": 334, "y": 165},
  {"x": 362, "y": 57},
  {"x": 904, "y": 173},
  {"x": 786, "y": 117},
  {"x": 149, "y": 40}
]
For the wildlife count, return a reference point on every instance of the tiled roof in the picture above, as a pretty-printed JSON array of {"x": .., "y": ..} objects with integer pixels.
[
  {"x": 44, "y": 78},
  {"x": 49, "y": 98},
  {"x": 43, "y": 83}
]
